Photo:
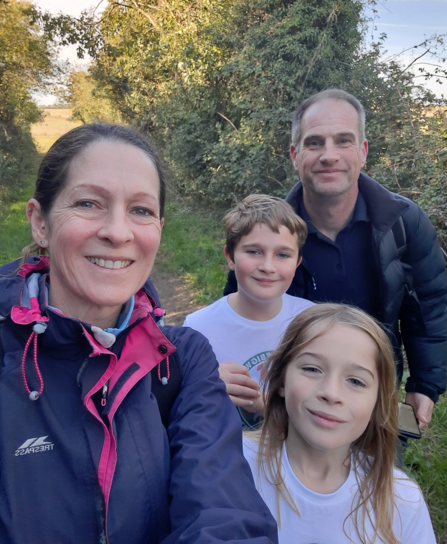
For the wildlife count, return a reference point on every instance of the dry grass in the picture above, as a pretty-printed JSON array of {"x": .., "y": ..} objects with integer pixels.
[{"x": 56, "y": 123}]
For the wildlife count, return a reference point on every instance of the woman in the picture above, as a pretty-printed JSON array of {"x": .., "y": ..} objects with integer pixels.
[{"x": 84, "y": 455}]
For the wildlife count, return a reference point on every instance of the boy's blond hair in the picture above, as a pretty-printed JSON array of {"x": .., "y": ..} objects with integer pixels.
[{"x": 270, "y": 210}]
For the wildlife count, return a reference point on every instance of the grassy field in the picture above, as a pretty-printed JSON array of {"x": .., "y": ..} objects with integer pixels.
[
  {"x": 14, "y": 228},
  {"x": 192, "y": 245},
  {"x": 55, "y": 123}
]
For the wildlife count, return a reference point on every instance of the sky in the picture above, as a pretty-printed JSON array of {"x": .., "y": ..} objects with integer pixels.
[{"x": 406, "y": 23}]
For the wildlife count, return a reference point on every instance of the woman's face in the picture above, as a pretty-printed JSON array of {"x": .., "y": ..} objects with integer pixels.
[
  {"x": 330, "y": 389},
  {"x": 103, "y": 230}
]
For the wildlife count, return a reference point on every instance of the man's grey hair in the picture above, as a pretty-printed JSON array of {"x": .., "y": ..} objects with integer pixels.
[{"x": 328, "y": 94}]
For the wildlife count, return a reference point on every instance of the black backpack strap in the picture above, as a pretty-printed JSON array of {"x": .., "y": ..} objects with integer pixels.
[
  {"x": 400, "y": 236},
  {"x": 170, "y": 369}
]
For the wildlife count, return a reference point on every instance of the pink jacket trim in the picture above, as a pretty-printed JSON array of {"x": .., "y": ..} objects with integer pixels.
[
  {"x": 25, "y": 316},
  {"x": 141, "y": 347},
  {"x": 27, "y": 268}
]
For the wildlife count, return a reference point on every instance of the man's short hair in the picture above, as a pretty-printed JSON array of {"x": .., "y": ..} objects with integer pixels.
[
  {"x": 328, "y": 94},
  {"x": 270, "y": 210}
]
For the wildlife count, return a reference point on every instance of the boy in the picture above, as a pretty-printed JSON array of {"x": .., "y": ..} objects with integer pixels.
[{"x": 264, "y": 238}]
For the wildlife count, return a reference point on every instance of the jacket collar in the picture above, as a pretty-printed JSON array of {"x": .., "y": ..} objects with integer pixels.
[
  {"x": 25, "y": 308},
  {"x": 384, "y": 207}
]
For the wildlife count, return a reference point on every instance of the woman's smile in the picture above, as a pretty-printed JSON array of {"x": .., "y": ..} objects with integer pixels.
[{"x": 109, "y": 263}]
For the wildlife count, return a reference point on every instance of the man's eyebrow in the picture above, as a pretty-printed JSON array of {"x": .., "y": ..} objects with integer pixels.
[
  {"x": 337, "y": 135},
  {"x": 313, "y": 137},
  {"x": 344, "y": 134}
]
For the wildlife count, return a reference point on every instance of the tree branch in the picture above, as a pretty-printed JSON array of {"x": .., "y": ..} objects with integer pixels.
[
  {"x": 226, "y": 119},
  {"x": 416, "y": 59},
  {"x": 148, "y": 17}
]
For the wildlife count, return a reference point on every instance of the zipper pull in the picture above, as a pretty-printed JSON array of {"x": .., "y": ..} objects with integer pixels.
[{"x": 105, "y": 388}]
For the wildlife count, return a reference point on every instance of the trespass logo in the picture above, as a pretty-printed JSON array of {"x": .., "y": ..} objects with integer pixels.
[{"x": 34, "y": 445}]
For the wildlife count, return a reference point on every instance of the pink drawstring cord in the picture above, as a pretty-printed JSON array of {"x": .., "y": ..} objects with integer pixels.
[
  {"x": 33, "y": 395},
  {"x": 164, "y": 380}
]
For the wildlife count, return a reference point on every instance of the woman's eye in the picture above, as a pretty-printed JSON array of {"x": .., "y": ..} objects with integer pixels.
[
  {"x": 356, "y": 382},
  {"x": 85, "y": 204},
  {"x": 142, "y": 211}
]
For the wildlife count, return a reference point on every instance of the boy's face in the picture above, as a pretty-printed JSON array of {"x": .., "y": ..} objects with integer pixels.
[{"x": 265, "y": 262}]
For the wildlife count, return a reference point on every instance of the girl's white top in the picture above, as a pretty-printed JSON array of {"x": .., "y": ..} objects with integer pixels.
[{"x": 323, "y": 515}]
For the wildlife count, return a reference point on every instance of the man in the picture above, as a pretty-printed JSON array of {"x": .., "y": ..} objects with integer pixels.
[{"x": 367, "y": 246}]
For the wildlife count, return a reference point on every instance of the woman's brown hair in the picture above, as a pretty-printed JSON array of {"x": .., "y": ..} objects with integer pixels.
[{"x": 373, "y": 453}]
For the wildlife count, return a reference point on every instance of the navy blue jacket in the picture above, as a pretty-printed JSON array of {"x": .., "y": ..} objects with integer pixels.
[
  {"x": 77, "y": 466},
  {"x": 415, "y": 314}
]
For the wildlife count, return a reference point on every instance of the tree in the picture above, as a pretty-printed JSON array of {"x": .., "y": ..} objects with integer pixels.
[
  {"x": 216, "y": 82},
  {"x": 88, "y": 100},
  {"x": 26, "y": 64}
]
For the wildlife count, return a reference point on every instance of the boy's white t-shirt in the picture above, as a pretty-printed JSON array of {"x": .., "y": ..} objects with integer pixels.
[
  {"x": 322, "y": 515},
  {"x": 244, "y": 341}
]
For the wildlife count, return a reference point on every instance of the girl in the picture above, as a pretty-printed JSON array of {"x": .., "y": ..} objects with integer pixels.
[{"x": 323, "y": 460}]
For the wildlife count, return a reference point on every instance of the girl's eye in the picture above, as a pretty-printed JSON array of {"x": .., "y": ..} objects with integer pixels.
[
  {"x": 356, "y": 382},
  {"x": 311, "y": 369}
]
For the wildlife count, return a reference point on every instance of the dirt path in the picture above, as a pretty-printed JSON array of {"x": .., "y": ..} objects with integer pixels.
[{"x": 175, "y": 296}]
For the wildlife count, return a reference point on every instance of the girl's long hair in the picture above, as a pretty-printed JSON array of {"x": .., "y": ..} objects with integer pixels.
[{"x": 373, "y": 453}]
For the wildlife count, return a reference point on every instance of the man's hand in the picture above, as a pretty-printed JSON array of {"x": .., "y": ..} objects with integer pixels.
[
  {"x": 241, "y": 387},
  {"x": 423, "y": 407}
]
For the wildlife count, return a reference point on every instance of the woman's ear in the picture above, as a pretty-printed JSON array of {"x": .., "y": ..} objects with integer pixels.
[
  {"x": 281, "y": 391},
  {"x": 229, "y": 259},
  {"x": 39, "y": 226}
]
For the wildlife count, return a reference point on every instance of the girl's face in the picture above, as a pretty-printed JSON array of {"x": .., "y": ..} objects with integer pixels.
[{"x": 330, "y": 389}]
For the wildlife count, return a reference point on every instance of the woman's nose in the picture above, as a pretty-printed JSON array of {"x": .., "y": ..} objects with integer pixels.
[{"x": 116, "y": 228}]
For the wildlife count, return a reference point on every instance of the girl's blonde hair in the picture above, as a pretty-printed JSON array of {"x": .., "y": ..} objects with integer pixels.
[{"x": 373, "y": 453}]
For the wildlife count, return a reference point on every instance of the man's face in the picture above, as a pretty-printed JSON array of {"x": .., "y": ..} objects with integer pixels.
[{"x": 330, "y": 154}]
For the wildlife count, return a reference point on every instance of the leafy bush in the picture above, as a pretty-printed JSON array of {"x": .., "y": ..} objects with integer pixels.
[{"x": 26, "y": 64}]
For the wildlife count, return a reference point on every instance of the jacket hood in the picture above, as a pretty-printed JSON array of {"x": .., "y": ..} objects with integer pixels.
[{"x": 384, "y": 207}]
